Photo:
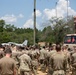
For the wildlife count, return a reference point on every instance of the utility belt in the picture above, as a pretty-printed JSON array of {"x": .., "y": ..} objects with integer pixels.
[{"x": 58, "y": 69}]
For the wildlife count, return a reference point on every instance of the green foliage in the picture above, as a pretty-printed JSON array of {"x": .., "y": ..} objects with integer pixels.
[
  {"x": 54, "y": 31},
  {"x": 2, "y": 23},
  {"x": 9, "y": 28}
]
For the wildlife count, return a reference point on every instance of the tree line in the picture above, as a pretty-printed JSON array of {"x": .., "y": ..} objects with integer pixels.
[{"x": 54, "y": 31}]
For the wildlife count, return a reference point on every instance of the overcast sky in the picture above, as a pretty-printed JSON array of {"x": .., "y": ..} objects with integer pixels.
[{"x": 20, "y": 12}]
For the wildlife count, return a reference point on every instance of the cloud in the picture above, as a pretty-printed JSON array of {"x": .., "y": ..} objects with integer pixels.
[
  {"x": 11, "y": 18},
  {"x": 38, "y": 13},
  {"x": 28, "y": 24},
  {"x": 47, "y": 14},
  {"x": 71, "y": 12},
  {"x": 61, "y": 9}
]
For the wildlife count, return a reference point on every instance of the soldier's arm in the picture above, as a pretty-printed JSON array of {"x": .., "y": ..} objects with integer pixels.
[
  {"x": 72, "y": 62},
  {"x": 65, "y": 65},
  {"x": 15, "y": 69},
  {"x": 50, "y": 67},
  {"x": 51, "y": 62},
  {"x": 0, "y": 68}
]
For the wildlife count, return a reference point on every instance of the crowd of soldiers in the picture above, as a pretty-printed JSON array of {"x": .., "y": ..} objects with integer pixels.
[{"x": 53, "y": 60}]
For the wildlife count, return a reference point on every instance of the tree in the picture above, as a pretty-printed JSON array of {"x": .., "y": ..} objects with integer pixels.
[
  {"x": 54, "y": 31},
  {"x": 2, "y": 23},
  {"x": 9, "y": 28}
]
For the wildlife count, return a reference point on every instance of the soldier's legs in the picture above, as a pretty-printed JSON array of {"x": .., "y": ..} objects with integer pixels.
[
  {"x": 21, "y": 72},
  {"x": 59, "y": 72},
  {"x": 34, "y": 70},
  {"x": 73, "y": 71},
  {"x": 27, "y": 73},
  {"x": 50, "y": 71},
  {"x": 41, "y": 64},
  {"x": 41, "y": 61},
  {"x": 45, "y": 65}
]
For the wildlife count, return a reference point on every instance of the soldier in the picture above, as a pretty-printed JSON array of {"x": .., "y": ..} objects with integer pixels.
[
  {"x": 50, "y": 53},
  {"x": 73, "y": 62},
  {"x": 42, "y": 59},
  {"x": 57, "y": 62},
  {"x": 1, "y": 51},
  {"x": 34, "y": 64},
  {"x": 68, "y": 58},
  {"x": 25, "y": 64},
  {"x": 53, "y": 50},
  {"x": 7, "y": 64},
  {"x": 15, "y": 55},
  {"x": 34, "y": 56}
]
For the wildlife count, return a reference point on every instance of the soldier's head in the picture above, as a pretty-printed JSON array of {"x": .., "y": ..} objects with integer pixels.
[
  {"x": 8, "y": 52},
  {"x": 43, "y": 47},
  {"x": 74, "y": 48},
  {"x": 1, "y": 47},
  {"x": 58, "y": 48}
]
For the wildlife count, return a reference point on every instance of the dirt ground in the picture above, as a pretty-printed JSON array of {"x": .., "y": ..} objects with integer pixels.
[{"x": 40, "y": 73}]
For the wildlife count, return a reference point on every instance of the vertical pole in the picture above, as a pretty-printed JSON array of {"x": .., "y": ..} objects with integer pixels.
[
  {"x": 67, "y": 11},
  {"x": 56, "y": 21},
  {"x": 75, "y": 24},
  {"x": 56, "y": 10},
  {"x": 34, "y": 22}
]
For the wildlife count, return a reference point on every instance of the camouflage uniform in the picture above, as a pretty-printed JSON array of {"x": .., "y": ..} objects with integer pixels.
[
  {"x": 73, "y": 63},
  {"x": 25, "y": 64},
  {"x": 34, "y": 66},
  {"x": 50, "y": 53},
  {"x": 58, "y": 63},
  {"x": 7, "y": 66},
  {"x": 1, "y": 51},
  {"x": 1, "y": 54},
  {"x": 34, "y": 56},
  {"x": 15, "y": 55},
  {"x": 42, "y": 59},
  {"x": 68, "y": 58}
]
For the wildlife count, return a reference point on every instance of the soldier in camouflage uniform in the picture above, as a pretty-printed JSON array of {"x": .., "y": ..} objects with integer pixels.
[
  {"x": 7, "y": 64},
  {"x": 73, "y": 62},
  {"x": 42, "y": 59},
  {"x": 15, "y": 55},
  {"x": 34, "y": 64},
  {"x": 68, "y": 58},
  {"x": 57, "y": 62},
  {"x": 25, "y": 64},
  {"x": 50, "y": 53},
  {"x": 1, "y": 51},
  {"x": 34, "y": 56}
]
